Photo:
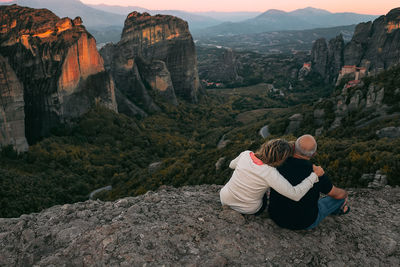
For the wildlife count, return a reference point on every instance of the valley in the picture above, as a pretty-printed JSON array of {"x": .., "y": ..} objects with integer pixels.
[{"x": 155, "y": 109}]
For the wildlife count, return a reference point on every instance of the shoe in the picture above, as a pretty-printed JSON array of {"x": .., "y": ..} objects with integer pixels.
[{"x": 342, "y": 212}]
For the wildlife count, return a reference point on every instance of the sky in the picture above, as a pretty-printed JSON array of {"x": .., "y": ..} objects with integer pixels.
[{"x": 358, "y": 6}]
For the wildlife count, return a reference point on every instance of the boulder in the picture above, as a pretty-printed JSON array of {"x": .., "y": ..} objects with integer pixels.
[{"x": 379, "y": 180}]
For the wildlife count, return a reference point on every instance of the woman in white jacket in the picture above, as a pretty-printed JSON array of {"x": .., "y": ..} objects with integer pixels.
[{"x": 254, "y": 173}]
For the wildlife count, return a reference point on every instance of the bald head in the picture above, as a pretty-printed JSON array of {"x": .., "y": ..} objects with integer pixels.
[{"x": 306, "y": 146}]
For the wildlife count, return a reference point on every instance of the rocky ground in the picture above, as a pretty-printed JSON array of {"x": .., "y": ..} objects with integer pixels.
[{"x": 187, "y": 226}]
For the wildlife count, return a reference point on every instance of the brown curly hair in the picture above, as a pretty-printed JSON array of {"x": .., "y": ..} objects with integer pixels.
[{"x": 274, "y": 152}]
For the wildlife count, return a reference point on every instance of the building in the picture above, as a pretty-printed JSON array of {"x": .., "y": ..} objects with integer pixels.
[
  {"x": 307, "y": 65},
  {"x": 358, "y": 72}
]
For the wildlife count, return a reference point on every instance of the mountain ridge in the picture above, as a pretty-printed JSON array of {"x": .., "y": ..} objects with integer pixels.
[
  {"x": 73, "y": 8},
  {"x": 195, "y": 20},
  {"x": 277, "y": 20}
]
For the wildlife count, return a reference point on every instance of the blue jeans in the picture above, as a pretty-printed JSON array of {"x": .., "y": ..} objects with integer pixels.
[{"x": 327, "y": 206}]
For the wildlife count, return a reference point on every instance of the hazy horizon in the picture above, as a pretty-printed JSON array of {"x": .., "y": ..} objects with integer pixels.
[
  {"x": 356, "y": 6},
  {"x": 334, "y": 6}
]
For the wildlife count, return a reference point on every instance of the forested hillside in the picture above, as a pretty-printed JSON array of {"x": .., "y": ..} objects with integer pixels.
[{"x": 104, "y": 148}]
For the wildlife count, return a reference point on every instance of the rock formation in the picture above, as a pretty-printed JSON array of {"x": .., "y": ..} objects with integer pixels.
[
  {"x": 57, "y": 63},
  {"x": 188, "y": 226},
  {"x": 375, "y": 180},
  {"x": 12, "y": 115},
  {"x": 222, "y": 67},
  {"x": 327, "y": 59},
  {"x": 374, "y": 46},
  {"x": 319, "y": 56},
  {"x": 155, "y": 57},
  {"x": 335, "y": 57},
  {"x": 294, "y": 124},
  {"x": 303, "y": 72}
]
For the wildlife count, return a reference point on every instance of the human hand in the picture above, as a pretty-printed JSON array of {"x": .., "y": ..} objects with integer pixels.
[{"x": 318, "y": 170}]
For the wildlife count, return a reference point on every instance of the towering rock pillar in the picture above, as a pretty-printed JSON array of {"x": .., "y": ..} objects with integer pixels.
[
  {"x": 335, "y": 57},
  {"x": 58, "y": 65},
  {"x": 319, "y": 56},
  {"x": 161, "y": 50},
  {"x": 373, "y": 48},
  {"x": 12, "y": 115}
]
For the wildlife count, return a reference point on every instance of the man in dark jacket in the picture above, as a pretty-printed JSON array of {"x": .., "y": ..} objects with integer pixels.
[{"x": 310, "y": 210}]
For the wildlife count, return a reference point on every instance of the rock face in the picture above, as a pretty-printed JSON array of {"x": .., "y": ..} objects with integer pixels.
[
  {"x": 188, "y": 226},
  {"x": 374, "y": 46},
  {"x": 58, "y": 65},
  {"x": 156, "y": 56},
  {"x": 12, "y": 115},
  {"x": 362, "y": 99},
  {"x": 223, "y": 68},
  {"x": 319, "y": 56},
  {"x": 327, "y": 59},
  {"x": 335, "y": 57},
  {"x": 377, "y": 180}
]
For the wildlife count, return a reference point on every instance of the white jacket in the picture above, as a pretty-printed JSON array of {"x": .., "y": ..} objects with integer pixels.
[{"x": 251, "y": 179}]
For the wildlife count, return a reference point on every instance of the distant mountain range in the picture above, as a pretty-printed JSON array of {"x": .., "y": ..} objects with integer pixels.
[
  {"x": 196, "y": 21},
  {"x": 72, "y": 8},
  {"x": 276, "y": 42},
  {"x": 102, "y": 15},
  {"x": 106, "y": 21},
  {"x": 210, "y": 17},
  {"x": 278, "y": 20}
]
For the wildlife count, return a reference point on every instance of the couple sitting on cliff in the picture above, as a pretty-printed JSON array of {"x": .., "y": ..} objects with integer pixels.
[{"x": 295, "y": 184}]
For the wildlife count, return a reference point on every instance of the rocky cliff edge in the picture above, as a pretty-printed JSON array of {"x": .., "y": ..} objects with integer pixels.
[{"x": 188, "y": 226}]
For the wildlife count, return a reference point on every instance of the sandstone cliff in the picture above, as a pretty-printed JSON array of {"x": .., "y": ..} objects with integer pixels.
[
  {"x": 187, "y": 226},
  {"x": 327, "y": 59},
  {"x": 12, "y": 115},
  {"x": 155, "y": 57},
  {"x": 374, "y": 46},
  {"x": 57, "y": 63}
]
